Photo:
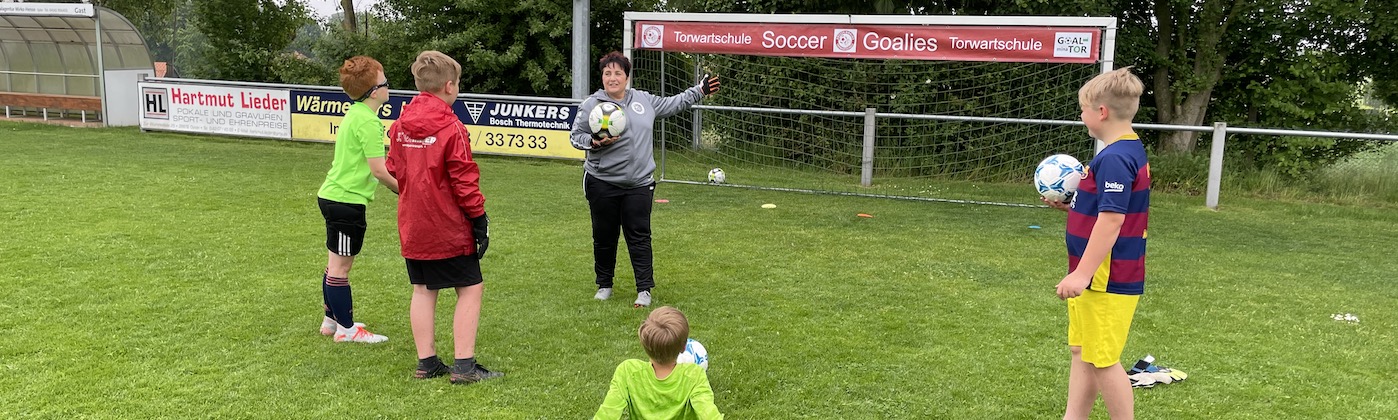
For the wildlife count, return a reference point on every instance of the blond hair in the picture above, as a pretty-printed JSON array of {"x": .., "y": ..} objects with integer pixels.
[
  {"x": 664, "y": 334},
  {"x": 1119, "y": 90},
  {"x": 432, "y": 70},
  {"x": 358, "y": 75}
]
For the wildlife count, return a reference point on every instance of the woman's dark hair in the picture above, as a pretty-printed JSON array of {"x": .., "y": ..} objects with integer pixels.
[{"x": 615, "y": 58}]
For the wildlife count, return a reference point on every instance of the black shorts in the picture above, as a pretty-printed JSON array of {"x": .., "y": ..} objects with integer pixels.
[
  {"x": 344, "y": 226},
  {"x": 458, "y": 271}
]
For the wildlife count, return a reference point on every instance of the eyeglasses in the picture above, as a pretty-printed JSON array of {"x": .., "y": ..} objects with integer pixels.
[{"x": 371, "y": 91}]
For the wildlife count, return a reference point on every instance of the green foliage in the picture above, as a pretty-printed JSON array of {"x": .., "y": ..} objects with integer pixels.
[
  {"x": 1364, "y": 178},
  {"x": 1387, "y": 91},
  {"x": 245, "y": 37},
  {"x": 505, "y": 46},
  {"x": 1186, "y": 173},
  {"x": 156, "y": 20},
  {"x": 1309, "y": 77},
  {"x": 300, "y": 70},
  {"x": 306, "y": 39}
]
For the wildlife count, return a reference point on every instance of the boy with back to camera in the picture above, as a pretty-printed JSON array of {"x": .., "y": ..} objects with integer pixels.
[
  {"x": 441, "y": 217},
  {"x": 661, "y": 388},
  {"x": 1106, "y": 240}
]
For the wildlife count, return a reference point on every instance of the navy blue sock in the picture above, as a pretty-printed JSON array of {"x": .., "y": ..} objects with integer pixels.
[
  {"x": 325, "y": 297},
  {"x": 338, "y": 298}
]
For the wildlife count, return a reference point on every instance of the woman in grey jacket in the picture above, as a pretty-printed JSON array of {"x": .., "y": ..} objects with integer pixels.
[{"x": 617, "y": 179}]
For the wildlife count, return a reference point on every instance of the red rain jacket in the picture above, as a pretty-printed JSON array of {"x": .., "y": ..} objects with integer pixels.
[{"x": 438, "y": 182}]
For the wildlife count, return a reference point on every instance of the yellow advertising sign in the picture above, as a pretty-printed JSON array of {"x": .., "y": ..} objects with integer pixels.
[
  {"x": 516, "y": 128},
  {"x": 522, "y": 142},
  {"x": 321, "y": 127}
]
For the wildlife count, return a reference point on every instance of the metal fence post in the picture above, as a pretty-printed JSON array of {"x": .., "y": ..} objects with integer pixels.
[
  {"x": 698, "y": 117},
  {"x": 866, "y": 177},
  {"x": 1216, "y": 165}
]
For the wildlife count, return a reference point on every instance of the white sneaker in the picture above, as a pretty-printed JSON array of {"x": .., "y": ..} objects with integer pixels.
[
  {"x": 603, "y": 293},
  {"x": 327, "y": 326},
  {"x": 643, "y": 299},
  {"x": 357, "y": 334}
]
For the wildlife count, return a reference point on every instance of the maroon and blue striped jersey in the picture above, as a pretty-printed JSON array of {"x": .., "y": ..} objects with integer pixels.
[{"x": 1117, "y": 181}]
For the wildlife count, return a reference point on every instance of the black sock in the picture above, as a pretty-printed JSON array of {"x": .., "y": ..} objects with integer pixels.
[
  {"x": 338, "y": 297},
  {"x": 429, "y": 362},
  {"x": 642, "y": 290},
  {"x": 468, "y": 362}
]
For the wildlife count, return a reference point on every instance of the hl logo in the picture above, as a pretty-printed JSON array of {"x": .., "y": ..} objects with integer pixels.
[{"x": 157, "y": 103}]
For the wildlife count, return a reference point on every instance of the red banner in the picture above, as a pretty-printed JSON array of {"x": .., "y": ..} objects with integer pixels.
[{"x": 911, "y": 42}]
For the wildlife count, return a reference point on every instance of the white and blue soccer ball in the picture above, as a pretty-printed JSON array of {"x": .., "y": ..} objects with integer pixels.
[
  {"x": 1057, "y": 177},
  {"x": 716, "y": 176},
  {"x": 694, "y": 353}
]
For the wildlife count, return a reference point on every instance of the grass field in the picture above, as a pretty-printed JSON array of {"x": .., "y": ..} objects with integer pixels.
[{"x": 149, "y": 275}]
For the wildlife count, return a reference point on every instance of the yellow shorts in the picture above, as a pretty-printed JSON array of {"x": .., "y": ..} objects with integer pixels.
[{"x": 1098, "y": 322}]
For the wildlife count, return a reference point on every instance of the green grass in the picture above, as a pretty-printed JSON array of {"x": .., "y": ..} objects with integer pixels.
[
  {"x": 169, "y": 276},
  {"x": 1365, "y": 179}
]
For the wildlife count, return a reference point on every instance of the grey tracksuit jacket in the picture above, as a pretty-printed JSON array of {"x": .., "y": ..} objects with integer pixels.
[{"x": 630, "y": 162}]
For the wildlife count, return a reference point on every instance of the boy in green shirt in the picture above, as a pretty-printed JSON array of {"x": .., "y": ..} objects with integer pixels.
[
  {"x": 660, "y": 389},
  {"x": 348, "y": 188}
]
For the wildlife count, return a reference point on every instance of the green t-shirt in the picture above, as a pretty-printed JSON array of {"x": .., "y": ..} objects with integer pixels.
[
  {"x": 685, "y": 394},
  {"x": 360, "y": 137}
]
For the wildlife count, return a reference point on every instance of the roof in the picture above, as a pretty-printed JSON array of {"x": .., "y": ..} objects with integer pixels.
[{"x": 58, "y": 55}]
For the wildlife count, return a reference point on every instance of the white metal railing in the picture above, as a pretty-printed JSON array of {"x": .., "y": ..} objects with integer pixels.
[
  {"x": 1220, "y": 132},
  {"x": 45, "y": 110},
  {"x": 36, "y": 73}
]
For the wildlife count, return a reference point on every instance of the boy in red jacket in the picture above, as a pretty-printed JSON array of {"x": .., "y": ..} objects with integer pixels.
[{"x": 441, "y": 216}]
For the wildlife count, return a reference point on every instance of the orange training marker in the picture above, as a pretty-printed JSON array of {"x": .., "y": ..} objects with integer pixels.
[
  {"x": 662, "y": 201},
  {"x": 866, "y": 215}
]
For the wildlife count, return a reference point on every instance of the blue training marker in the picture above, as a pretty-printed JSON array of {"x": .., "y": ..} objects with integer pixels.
[{"x": 1033, "y": 226}]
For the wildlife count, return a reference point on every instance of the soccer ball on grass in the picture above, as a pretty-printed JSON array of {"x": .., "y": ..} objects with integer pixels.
[
  {"x": 716, "y": 176},
  {"x": 694, "y": 353}
]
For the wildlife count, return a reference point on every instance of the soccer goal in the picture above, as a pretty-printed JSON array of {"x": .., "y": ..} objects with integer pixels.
[{"x": 923, "y": 107}]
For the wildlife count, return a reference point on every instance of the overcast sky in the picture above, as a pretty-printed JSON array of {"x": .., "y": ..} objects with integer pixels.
[{"x": 325, "y": 8}]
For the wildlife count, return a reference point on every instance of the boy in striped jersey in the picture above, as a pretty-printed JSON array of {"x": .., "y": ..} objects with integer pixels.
[{"x": 1106, "y": 239}]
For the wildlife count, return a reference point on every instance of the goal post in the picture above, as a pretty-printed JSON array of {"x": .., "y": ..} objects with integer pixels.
[{"x": 911, "y": 106}]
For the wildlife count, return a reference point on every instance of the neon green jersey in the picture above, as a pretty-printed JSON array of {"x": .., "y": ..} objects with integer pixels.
[
  {"x": 685, "y": 394},
  {"x": 359, "y": 138}
]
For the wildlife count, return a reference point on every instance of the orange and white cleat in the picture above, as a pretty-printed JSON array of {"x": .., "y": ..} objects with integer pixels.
[
  {"x": 357, "y": 334},
  {"x": 327, "y": 326}
]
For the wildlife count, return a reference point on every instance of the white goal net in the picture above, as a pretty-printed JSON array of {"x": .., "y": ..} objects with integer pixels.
[{"x": 955, "y": 107}]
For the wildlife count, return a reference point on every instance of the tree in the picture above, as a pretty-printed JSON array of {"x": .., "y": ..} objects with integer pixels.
[
  {"x": 507, "y": 46},
  {"x": 152, "y": 18},
  {"x": 244, "y": 37},
  {"x": 347, "y": 6},
  {"x": 1279, "y": 63}
]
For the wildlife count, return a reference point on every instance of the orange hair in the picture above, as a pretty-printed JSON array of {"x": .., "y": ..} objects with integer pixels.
[{"x": 358, "y": 75}]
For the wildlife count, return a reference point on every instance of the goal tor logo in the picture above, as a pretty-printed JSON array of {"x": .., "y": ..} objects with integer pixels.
[
  {"x": 844, "y": 40},
  {"x": 653, "y": 36},
  {"x": 156, "y": 102},
  {"x": 1072, "y": 44}
]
